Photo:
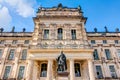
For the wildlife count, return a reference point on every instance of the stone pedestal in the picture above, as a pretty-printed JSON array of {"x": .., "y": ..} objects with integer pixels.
[{"x": 63, "y": 75}]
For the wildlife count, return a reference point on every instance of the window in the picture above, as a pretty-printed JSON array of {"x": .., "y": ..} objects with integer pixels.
[
  {"x": 112, "y": 71},
  {"x": 116, "y": 41},
  {"x": 92, "y": 41},
  {"x": 73, "y": 33},
  {"x": 77, "y": 69},
  {"x": 21, "y": 72},
  {"x": 43, "y": 70},
  {"x": 14, "y": 42},
  {"x": 24, "y": 54},
  {"x": 60, "y": 33},
  {"x": 108, "y": 56},
  {"x": 2, "y": 42},
  {"x": 0, "y": 53},
  {"x": 11, "y": 54},
  {"x": 46, "y": 34},
  {"x": 7, "y": 72},
  {"x": 95, "y": 55},
  {"x": 104, "y": 41},
  {"x": 118, "y": 52},
  {"x": 99, "y": 72},
  {"x": 26, "y": 42}
]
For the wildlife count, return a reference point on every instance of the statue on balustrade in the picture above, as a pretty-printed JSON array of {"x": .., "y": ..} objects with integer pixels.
[{"x": 61, "y": 61}]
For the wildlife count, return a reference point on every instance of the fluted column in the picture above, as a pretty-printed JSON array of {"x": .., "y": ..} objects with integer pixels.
[
  {"x": 29, "y": 70},
  {"x": 90, "y": 68},
  {"x": 49, "y": 70},
  {"x": 72, "y": 71}
]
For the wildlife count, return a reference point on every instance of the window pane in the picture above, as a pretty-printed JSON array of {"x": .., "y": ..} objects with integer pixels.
[
  {"x": 43, "y": 70},
  {"x": 77, "y": 69},
  {"x": 95, "y": 55},
  {"x": 60, "y": 36},
  {"x": 73, "y": 33},
  {"x": 112, "y": 71},
  {"x": 26, "y": 42},
  {"x": 92, "y": 41},
  {"x": 14, "y": 42},
  {"x": 116, "y": 41},
  {"x": 104, "y": 41},
  {"x": 2, "y": 42},
  {"x": 107, "y": 52},
  {"x": 0, "y": 53},
  {"x": 11, "y": 54},
  {"x": 24, "y": 54},
  {"x": 99, "y": 72},
  {"x": 7, "y": 72},
  {"x": 118, "y": 52},
  {"x": 21, "y": 72},
  {"x": 46, "y": 34}
]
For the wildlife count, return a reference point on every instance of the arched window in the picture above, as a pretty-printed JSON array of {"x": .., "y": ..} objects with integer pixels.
[
  {"x": 43, "y": 70},
  {"x": 60, "y": 33},
  {"x": 77, "y": 69}
]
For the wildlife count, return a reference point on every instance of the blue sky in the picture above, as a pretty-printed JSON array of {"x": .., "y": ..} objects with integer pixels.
[{"x": 19, "y": 13}]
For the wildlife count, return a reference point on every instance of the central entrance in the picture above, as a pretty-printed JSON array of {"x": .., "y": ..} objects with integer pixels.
[{"x": 56, "y": 65}]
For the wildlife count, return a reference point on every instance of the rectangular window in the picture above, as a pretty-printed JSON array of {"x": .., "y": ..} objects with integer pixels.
[
  {"x": 46, "y": 34},
  {"x": 116, "y": 41},
  {"x": 21, "y": 72},
  {"x": 73, "y": 34},
  {"x": 24, "y": 54},
  {"x": 92, "y": 41},
  {"x": 108, "y": 56},
  {"x": 112, "y": 71},
  {"x": 99, "y": 72},
  {"x": 77, "y": 69},
  {"x": 43, "y": 70},
  {"x": 0, "y": 53},
  {"x": 26, "y": 42},
  {"x": 118, "y": 52},
  {"x": 104, "y": 41},
  {"x": 6, "y": 72},
  {"x": 95, "y": 55},
  {"x": 11, "y": 54},
  {"x": 2, "y": 42},
  {"x": 14, "y": 42}
]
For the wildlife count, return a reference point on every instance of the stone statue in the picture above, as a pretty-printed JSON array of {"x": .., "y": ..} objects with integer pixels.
[
  {"x": 61, "y": 60},
  {"x": 24, "y": 29},
  {"x": 13, "y": 29},
  {"x": 95, "y": 29},
  {"x": 106, "y": 30}
]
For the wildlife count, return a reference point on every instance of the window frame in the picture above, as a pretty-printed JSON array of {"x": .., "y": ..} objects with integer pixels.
[
  {"x": 41, "y": 74},
  {"x": 48, "y": 34},
  {"x": 96, "y": 52},
  {"x": 112, "y": 71},
  {"x": 93, "y": 42},
  {"x": 99, "y": 76},
  {"x": 21, "y": 57},
  {"x": 104, "y": 41},
  {"x": 80, "y": 73},
  {"x": 26, "y": 41},
  {"x": 8, "y": 58},
  {"x": 60, "y": 34},
  {"x": 73, "y": 33},
  {"x": 1, "y": 50},
  {"x": 107, "y": 57},
  {"x": 23, "y": 72},
  {"x": 7, "y": 72}
]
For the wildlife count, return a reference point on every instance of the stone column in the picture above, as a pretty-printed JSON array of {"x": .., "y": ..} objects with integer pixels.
[
  {"x": 15, "y": 67},
  {"x": 49, "y": 70},
  {"x": 4, "y": 57},
  {"x": 72, "y": 71},
  {"x": 29, "y": 70},
  {"x": 90, "y": 69}
]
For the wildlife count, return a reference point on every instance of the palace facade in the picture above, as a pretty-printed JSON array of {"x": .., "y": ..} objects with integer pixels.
[{"x": 32, "y": 55}]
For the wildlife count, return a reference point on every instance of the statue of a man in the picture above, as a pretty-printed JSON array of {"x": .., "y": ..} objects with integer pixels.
[{"x": 62, "y": 66}]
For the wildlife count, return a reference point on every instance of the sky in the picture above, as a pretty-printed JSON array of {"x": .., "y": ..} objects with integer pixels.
[{"x": 19, "y": 13}]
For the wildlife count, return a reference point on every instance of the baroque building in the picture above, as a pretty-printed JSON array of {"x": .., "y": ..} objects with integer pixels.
[{"x": 32, "y": 55}]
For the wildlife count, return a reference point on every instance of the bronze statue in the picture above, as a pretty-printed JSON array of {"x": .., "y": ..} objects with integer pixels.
[{"x": 61, "y": 60}]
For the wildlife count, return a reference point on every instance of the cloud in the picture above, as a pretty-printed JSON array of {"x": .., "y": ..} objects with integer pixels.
[
  {"x": 23, "y": 7},
  {"x": 5, "y": 17},
  {"x": 1, "y": 1}
]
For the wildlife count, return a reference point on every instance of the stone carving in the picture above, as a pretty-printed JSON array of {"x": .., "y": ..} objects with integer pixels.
[{"x": 61, "y": 61}]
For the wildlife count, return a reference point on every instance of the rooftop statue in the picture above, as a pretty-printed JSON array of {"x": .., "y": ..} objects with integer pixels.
[
  {"x": 106, "y": 30},
  {"x": 95, "y": 29},
  {"x": 13, "y": 29}
]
